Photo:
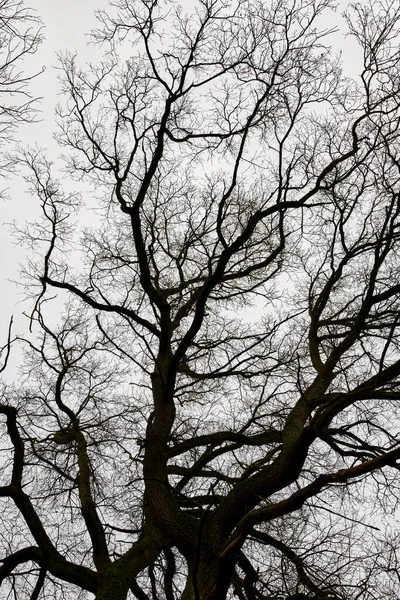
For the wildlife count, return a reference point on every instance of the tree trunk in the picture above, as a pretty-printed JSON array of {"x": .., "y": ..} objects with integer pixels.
[
  {"x": 113, "y": 585},
  {"x": 210, "y": 579}
]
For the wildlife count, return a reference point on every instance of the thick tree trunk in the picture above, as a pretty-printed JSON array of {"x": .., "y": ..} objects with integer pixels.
[
  {"x": 113, "y": 585},
  {"x": 210, "y": 579}
]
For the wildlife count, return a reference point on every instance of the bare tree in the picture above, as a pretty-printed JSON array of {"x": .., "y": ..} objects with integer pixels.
[
  {"x": 215, "y": 412},
  {"x": 20, "y": 35}
]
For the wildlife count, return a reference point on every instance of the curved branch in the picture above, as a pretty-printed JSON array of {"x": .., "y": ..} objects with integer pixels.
[
  {"x": 102, "y": 307},
  {"x": 296, "y": 500},
  {"x": 7, "y": 347},
  {"x": 32, "y": 553}
]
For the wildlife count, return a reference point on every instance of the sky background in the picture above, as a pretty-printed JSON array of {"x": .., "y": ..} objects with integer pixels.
[{"x": 65, "y": 26}]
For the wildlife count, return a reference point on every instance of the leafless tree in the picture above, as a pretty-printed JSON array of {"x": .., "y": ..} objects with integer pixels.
[
  {"x": 20, "y": 35},
  {"x": 215, "y": 411}
]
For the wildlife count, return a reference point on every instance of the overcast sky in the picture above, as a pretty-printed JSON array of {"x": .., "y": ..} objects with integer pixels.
[{"x": 65, "y": 26}]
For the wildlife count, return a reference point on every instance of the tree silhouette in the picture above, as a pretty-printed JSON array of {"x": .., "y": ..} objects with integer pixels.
[
  {"x": 20, "y": 35},
  {"x": 215, "y": 411}
]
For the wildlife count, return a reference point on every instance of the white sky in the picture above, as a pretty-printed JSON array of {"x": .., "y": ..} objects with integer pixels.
[
  {"x": 65, "y": 26},
  {"x": 66, "y": 23}
]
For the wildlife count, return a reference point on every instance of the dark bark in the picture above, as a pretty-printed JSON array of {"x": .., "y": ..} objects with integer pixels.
[{"x": 225, "y": 371}]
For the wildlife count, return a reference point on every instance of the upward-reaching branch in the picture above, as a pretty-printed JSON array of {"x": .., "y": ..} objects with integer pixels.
[{"x": 228, "y": 347}]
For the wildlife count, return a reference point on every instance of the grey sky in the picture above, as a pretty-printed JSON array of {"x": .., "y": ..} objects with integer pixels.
[{"x": 66, "y": 24}]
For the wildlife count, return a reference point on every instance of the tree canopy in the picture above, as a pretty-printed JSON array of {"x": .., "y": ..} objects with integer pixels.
[
  {"x": 208, "y": 406},
  {"x": 20, "y": 35}
]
